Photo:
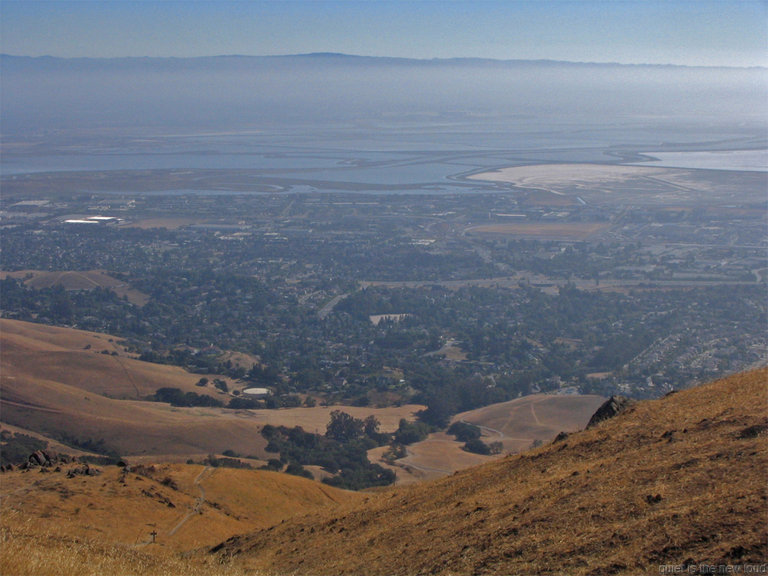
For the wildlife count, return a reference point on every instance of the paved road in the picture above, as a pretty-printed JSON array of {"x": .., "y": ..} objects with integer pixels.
[{"x": 328, "y": 308}]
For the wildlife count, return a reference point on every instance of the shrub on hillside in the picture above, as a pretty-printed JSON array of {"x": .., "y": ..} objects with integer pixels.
[
  {"x": 411, "y": 432},
  {"x": 176, "y": 397},
  {"x": 464, "y": 431},
  {"x": 477, "y": 446}
]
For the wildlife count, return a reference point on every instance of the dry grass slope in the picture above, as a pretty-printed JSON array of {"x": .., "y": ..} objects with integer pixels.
[
  {"x": 90, "y": 361},
  {"x": 54, "y": 525},
  {"x": 27, "y": 552},
  {"x": 675, "y": 480},
  {"x": 538, "y": 417}
]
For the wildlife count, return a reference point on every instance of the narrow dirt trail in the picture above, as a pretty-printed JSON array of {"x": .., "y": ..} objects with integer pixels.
[
  {"x": 198, "y": 502},
  {"x": 533, "y": 413},
  {"x": 406, "y": 462},
  {"x": 499, "y": 433}
]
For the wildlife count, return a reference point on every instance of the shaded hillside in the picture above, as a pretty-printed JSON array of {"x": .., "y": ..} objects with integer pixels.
[{"x": 671, "y": 481}]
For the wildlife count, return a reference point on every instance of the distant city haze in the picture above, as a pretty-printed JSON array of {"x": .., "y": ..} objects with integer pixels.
[{"x": 226, "y": 93}]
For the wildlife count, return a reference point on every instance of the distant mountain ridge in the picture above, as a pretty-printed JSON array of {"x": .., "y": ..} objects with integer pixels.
[{"x": 341, "y": 57}]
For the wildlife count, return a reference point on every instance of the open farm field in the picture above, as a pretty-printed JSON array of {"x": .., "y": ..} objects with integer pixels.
[
  {"x": 169, "y": 223},
  {"x": 79, "y": 280}
]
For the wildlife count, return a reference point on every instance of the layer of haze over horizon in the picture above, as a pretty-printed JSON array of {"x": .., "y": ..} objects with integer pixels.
[{"x": 691, "y": 33}]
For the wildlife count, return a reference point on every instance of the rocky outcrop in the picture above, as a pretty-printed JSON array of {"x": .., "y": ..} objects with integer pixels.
[
  {"x": 83, "y": 470},
  {"x": 560, "y": 437},
  {"x": 610, "y": 408},
  {"x": 44, "y": 459}
]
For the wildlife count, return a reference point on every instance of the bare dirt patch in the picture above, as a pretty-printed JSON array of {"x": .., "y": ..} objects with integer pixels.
[
  {"x": 451, "y": 350},
  {"x": 168, "y": 223},
  {"x": 553, "y": 185}
]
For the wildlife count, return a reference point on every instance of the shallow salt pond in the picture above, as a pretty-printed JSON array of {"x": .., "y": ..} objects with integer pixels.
[{"x": 751, "y": 160}]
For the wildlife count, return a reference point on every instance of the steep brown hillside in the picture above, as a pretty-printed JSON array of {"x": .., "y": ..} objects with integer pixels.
[{"x": 671, "y": 481}]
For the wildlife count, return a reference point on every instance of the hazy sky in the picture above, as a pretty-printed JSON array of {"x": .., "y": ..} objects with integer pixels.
[{"x": 699, "y": 32}]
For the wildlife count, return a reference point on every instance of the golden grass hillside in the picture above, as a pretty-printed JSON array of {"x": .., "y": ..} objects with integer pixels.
[
  {"x": 51, "y": 523},
  {"x": 128, "y": 427},
  {"x": 518, "y": 423},
  {"x": 670, "y": 481},
  {"x": 57, "y": 382},
  {"x": 91, "y": 361}
]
